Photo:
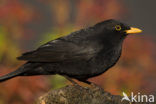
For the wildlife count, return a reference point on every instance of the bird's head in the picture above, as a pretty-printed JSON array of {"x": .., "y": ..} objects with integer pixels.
[{"x": 114, "y": 30}]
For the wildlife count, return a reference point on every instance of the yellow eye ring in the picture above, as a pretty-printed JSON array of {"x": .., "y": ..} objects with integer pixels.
[{"x": 117, "y": 27}]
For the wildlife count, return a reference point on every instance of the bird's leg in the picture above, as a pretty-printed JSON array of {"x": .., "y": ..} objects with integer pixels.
[
  {"x": 72, "y": 81},
  {"x": 85, "y": 81},
  {"x": 92, "y": 84}
]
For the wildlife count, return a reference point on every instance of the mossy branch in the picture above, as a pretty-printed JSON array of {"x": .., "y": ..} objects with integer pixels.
[{"x": 80, "y": 95}]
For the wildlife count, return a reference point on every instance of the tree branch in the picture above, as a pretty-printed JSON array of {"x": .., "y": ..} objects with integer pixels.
[{"x": 81, "y": 95}]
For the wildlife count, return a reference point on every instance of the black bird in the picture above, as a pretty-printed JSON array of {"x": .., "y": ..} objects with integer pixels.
[{"x": 82, "y": 54}]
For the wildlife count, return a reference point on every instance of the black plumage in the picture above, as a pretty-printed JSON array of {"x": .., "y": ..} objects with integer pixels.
[{"x": 82, "y": 54}]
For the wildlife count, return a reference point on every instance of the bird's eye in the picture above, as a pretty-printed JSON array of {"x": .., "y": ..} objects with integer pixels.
[{"x": 117, "y": 27}]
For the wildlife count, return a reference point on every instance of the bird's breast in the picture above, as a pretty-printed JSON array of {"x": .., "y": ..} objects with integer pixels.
[{"x": 104, "y": 60}]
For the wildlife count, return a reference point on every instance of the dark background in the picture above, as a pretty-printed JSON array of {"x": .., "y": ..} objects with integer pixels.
[{"x": 142, "y": 13}]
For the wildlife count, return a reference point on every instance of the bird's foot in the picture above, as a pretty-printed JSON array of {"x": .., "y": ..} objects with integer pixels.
[
  {"x": 95, "y": 86},
  {"x": 72, "y": 81}
]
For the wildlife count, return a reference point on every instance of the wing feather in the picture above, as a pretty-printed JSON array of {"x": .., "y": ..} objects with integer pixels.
[{"x": 59, "y": 50}]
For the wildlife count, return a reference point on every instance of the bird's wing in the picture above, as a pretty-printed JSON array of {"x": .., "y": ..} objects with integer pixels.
[{"x": 59, "y": 50}]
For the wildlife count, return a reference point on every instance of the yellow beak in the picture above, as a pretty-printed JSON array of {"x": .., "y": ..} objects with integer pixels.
[{"x": 133, "y": 30}]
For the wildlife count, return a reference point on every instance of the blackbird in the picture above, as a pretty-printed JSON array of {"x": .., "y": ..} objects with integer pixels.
[{"x": 82, "y": 54}]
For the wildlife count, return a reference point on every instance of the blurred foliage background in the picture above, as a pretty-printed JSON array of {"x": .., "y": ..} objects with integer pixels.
[{"x": 26, "y": 24}]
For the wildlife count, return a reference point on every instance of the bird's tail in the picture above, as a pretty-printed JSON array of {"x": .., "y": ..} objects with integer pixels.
[
  {"x": 9, "y": 76},
  {"x": 15, "y": 73},
  {"x": 28, "y": 69}
]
